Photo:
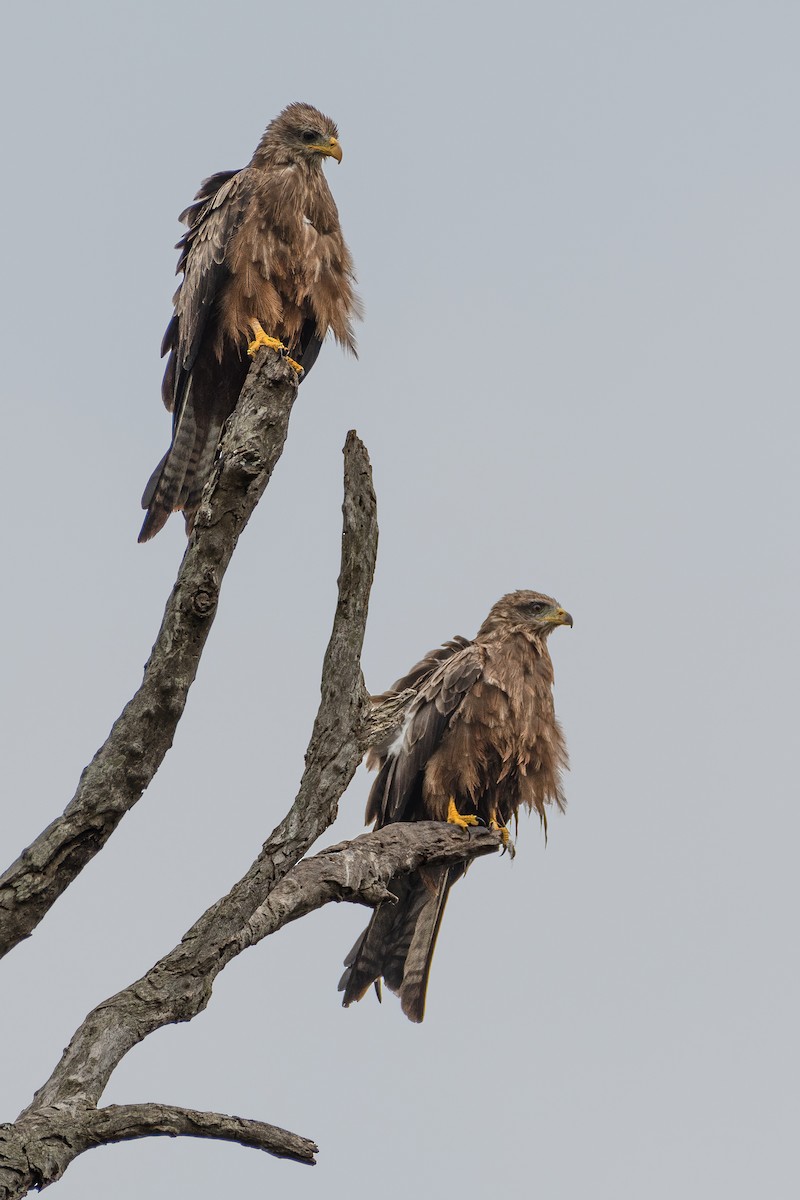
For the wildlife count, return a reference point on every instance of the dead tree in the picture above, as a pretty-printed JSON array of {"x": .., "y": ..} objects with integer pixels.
[{"x": 64, "y": 1119}]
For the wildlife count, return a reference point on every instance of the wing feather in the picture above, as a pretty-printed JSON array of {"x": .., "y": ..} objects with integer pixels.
[
  {"x": 411, "y": 681},
  {"x": 203, "y": 248},
  {"x": 443, "y": 678}
]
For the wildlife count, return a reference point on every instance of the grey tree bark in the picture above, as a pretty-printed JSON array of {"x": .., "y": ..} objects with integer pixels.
[
  {"x": 141, "y": 736},
  {"x": 64, "y": 1118}
]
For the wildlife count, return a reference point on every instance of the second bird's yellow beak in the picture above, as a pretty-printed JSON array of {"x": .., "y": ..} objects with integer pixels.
[
  {"x": 332, "y": 149},
  {"x": 559, "y": 616}
]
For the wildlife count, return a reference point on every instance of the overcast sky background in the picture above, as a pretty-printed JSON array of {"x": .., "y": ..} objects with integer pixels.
[{"x": 576, "y": 234}]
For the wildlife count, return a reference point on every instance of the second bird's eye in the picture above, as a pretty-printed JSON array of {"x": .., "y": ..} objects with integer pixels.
[{"x": 309, "y": 135}]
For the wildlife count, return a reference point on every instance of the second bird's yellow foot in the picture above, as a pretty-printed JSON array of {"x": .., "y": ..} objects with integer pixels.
[
  {"x": 496, "y": 827},
  {"x": 505, "y": 836},
  {"x": 263, "y": 339},
  {"x": 454, "y": 817}
]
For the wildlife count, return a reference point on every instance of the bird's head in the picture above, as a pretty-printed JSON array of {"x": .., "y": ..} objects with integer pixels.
[
  {"x": 301, "y": 133},
  {"x": 529, "y": 612}
]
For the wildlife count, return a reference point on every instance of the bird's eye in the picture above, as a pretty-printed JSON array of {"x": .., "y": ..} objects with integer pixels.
[
  {"x": 537, "y": 607},
  {"x": 308, "y": 136}
]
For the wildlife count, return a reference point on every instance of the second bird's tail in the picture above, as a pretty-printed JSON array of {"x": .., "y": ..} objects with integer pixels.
[{"x": 399, "y": 942}]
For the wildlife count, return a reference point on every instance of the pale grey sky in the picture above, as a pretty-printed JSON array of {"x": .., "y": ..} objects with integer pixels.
[{"x": 576, "y": 235}]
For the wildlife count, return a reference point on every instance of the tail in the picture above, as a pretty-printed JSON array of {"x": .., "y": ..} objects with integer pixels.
[
  {"x": 399, "y": 941},
  {"x": 179, "y": 478}
]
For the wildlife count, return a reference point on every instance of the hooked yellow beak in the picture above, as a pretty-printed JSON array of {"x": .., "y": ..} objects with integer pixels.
[
  {"x": 559, "y": 616},
  {"x": 332, "y": 149}
]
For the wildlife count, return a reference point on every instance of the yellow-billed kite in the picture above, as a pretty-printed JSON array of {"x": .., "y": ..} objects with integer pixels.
[
  {"x": 478, "y": 741},
  {"x": 264, "y": 263}
]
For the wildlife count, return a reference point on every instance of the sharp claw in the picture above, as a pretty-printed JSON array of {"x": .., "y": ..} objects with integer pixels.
[
  {"x": 505, "y": 836},
  {"x": 454, "y": 817},
  {"x": 263, "y": 339}
]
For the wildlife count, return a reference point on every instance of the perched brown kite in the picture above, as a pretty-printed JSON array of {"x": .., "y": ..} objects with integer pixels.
[
  {"x": 264, "y": 264},
  {"x": 478, "y": 740}
]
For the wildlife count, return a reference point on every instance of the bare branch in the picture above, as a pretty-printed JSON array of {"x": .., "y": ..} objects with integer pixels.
[
  {"x": 360, "y": 871},
  {"x": 123, "y": 1123},
  {"x": 340, "y": 735},
  {"x": 135, "y": 748},
  {"x": 38, "y": 1149},
  {"x": 62, "y": 1123},
  {"x": 179, "y": 986}
]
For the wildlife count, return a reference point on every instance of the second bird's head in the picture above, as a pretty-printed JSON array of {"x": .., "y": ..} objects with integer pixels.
[
  {"x": 528, "y": 611},
  {"x": 301, "y": 133}
]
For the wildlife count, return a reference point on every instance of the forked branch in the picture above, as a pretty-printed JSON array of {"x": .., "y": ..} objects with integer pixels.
[{"x": 64, "y": 1119}]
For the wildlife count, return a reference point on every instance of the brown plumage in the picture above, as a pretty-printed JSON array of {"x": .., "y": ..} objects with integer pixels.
[
  {"x": 263, "y": 245},
  {"x": 481, "y": 732}
]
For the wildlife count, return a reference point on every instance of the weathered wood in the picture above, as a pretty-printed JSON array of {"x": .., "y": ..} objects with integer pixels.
[
  {"x": 141, "y": 736},
  {"x": 36, "y": 1152},
  {"x": 63, "y": 1121}
]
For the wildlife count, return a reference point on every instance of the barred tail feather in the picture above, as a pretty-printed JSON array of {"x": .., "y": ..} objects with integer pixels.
[
  {"x": 203, "y": 455},
  {"x": 205, "y": 398},
  {"x": 162, "y": 494},
  {"x": 180, "y": 477}
]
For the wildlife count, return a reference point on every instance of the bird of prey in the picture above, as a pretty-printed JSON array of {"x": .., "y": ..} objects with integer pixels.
[
  {"x": 264, "y": 264},
  {"x": 479, "y": 739}
]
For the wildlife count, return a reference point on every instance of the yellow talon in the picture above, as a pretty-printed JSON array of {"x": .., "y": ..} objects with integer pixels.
[
  {"x": 294, "y": 364},
  {"x": 260, "y": 338},
  {"x": 496, "y": 827},
  {"x": 454, "y": 817},
  {"x": 505, "y": 836}
]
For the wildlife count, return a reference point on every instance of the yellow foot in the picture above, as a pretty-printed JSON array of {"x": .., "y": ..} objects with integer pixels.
[
  {"x": 294, "y": 364},
  {"x": 263, "y": 339},
  {"x": 260, "y": 338},
  {"x": 496, "y": 827},
  {"x": 454, "y": 817},
  {"x": 505, "y": 836}
]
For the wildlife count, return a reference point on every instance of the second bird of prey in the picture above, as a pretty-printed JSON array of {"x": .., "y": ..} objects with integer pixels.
[{"x": 479, "y": 741}]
